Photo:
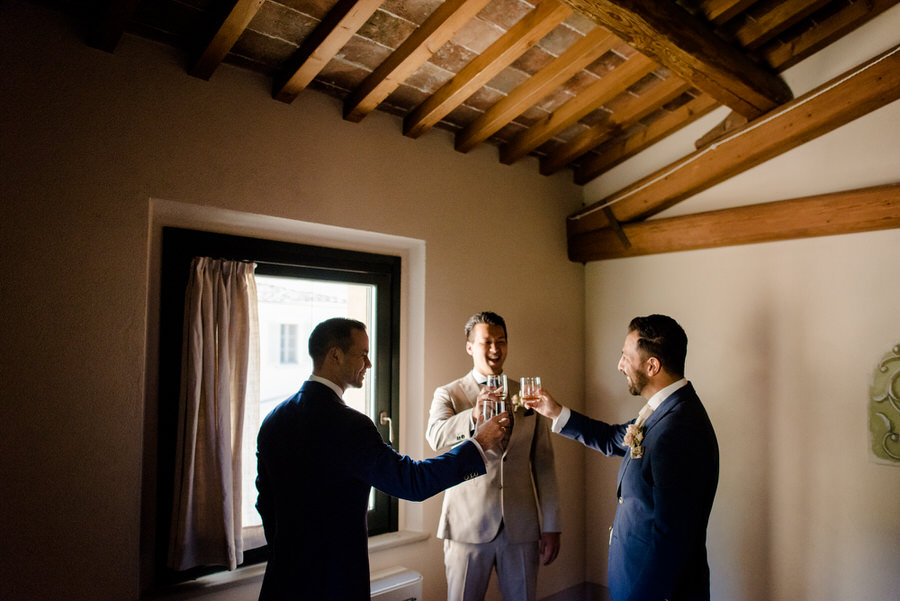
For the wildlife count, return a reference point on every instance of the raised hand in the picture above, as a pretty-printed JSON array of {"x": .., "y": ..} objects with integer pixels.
[
  {"x": 492, "y": 434},
  {"x": 545, "y": 405}
]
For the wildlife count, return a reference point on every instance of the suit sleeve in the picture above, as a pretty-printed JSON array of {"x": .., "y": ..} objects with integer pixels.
[
  {"x": 544, "y": 470},
  {"x": 595, "y": 434},
  {"x": 446, "y": 427},
  {"x": 400, "y": 476}
]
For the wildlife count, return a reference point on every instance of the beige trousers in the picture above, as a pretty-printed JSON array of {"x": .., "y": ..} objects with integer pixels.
[{"x": 468, "y": 567}]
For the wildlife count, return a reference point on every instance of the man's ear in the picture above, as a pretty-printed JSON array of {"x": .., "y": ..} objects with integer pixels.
[
  {"x": 653, "y": 366},
  {"x": 469, "y": 347},
  {"x": 335, "y": 354}
]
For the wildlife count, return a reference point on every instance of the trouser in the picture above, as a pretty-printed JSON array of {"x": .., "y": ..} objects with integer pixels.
[{"x": 468, "y": 568}]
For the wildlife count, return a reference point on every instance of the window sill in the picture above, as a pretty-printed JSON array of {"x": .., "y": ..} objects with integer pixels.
[{"x": 249, "y": 575}]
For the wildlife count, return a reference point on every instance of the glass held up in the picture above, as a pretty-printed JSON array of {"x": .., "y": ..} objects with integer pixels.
[
  {"x": 530, "y": 389},
  {"x": 498, "y": 385}
]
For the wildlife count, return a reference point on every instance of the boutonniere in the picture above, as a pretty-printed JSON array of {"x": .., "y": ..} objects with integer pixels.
[
  {"x": 517, "y": 405},
  {"x": 634, "y": 435}
]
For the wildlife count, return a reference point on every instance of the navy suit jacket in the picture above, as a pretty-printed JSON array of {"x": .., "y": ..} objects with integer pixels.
[
  {"x": 317, "y": 459},
  {"x": 658, "y": 542}
]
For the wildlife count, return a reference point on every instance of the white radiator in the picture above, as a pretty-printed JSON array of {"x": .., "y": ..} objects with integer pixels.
[{"x": 396, "y": 584}]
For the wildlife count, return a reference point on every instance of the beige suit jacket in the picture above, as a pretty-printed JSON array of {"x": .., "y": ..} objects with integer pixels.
[{"x": 519, "y": 489}]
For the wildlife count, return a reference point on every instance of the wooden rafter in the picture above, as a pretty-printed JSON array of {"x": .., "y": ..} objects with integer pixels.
[
  {"x": 628, "y": 111},
  {"x": 616, "y": 151},
  {"x": 592, "y": 97},
  {"x": 782, "y": 56},
  {"x": 438, "y": 28},
  {"x": 523, "y": 35},
  {"x": 835, "y": 103},
  {"x": 682, "y": 43},
  {"x": 721, "y": 11},
  {"x": 753, "y": 33},
  {"x": 225, "y": 37},
  {"x": 581, "y": 54},
  {"x": 322, "y": 45},
  {"x": 863, "y": 210}
]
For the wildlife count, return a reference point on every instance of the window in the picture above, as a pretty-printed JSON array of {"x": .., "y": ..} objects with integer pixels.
[
  {"x": 287, "y": 343},
  {"x": 298, "y": 286}
]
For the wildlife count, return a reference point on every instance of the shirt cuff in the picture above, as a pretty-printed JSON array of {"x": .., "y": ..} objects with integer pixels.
[
  {"x": 561, "y": 420},
  {"x": 480, "y": 451}
]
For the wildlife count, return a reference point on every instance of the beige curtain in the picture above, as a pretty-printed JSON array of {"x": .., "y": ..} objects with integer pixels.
[{"x": 219, "y": 377}]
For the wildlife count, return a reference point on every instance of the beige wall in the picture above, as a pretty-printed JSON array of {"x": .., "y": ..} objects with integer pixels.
[
  {"x": 783, "y": 340},
  {"x": 89, "y": 139}
]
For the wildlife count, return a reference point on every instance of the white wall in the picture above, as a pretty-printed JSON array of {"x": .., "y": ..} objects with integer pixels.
[
  {"x": 783, "y": 340},
  {"x": 89, "y": 140}
]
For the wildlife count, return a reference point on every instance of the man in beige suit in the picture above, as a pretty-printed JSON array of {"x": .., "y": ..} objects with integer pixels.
[{"x": 507, "y": 520}]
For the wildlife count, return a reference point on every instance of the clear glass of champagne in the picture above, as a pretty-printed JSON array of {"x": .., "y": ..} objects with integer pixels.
[
  {"x": 530, "y": 389},
  {"x": 498, "y": 384}
]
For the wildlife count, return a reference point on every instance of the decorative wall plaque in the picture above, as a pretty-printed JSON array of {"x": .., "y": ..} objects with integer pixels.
[{"x": 884, "y": 408}]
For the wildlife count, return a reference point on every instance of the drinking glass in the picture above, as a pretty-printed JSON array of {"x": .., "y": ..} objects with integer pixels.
[
  {"x": 499, "y": 385},
  {"x": 530, "y": 389}
]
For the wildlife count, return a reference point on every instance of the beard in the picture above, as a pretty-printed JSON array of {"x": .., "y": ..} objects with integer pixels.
[{"x": 636, "y": 383}]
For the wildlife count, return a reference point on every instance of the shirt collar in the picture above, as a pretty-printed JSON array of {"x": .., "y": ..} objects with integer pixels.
[
  {"x": 480, "y": 378},
  {"x": 337, "y": 389},
  {"x": 657, "y": 399}
]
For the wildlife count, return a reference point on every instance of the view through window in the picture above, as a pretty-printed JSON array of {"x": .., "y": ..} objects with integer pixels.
[{"x": 289, "y": 309}]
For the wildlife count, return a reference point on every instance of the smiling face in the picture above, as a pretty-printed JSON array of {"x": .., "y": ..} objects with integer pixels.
[
  {"x": 634, "y": 364},
  {"x": 353, "y": 363},
  {"x": 487, "y": 345}
]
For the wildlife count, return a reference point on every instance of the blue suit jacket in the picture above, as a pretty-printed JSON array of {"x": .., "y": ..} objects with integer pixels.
[
  {"x": 658, "y": 543},
  {"x": 317, "y": 459}
]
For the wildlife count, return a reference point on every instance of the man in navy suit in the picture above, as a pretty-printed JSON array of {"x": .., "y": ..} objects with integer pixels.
[
  {"x": 318, "y": 458},
  {"x": 668, "y": 477}
]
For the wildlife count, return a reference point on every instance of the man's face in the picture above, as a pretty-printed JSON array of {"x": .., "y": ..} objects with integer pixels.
[
  {"x": 633, "y": 364},
  {"x": 487, "y": 345},
  {"x": 355, "y": 361}
]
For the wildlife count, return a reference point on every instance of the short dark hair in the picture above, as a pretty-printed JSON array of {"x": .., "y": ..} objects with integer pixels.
[
  {"x": 660, "y": 336},
  {"x": 334, "y": 332},
  {"x": 487, "y": 318}
]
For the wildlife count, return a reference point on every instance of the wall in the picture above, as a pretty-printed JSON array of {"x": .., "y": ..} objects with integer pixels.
[
  {"x": 783, "y": 339},
  {"x": 90, "y": 140}
]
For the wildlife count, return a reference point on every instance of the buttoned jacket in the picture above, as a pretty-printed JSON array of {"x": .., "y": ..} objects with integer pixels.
[
  {"x": 664, "y": 498},
  {"x": 519, "y": 490}
]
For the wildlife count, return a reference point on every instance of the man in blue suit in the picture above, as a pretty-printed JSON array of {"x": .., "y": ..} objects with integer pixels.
[
  {"x": 668, "y": 477},
  {"x": 318, "y": 458}
]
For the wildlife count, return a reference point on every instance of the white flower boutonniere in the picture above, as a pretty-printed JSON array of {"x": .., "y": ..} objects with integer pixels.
[{"x": 634, "y": 435}]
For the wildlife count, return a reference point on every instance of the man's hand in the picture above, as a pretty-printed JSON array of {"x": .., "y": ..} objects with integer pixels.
[
  {"x": 549, "y": 547},
  {"x": 546, "y": 406},
  {"x": 491, "y": 434}
]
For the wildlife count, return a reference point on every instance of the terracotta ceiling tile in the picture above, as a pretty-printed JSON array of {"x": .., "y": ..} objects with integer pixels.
[
  {"x": 364, "y": 53},
  {"x": 477, "y": 35},
  {"x": 505, "y": 13},
  {"x": 508, "y": 80},
  {"x": 278, "y": 21},
  {"x": 484, "y": 98},
  {"x": 533, "y": 60},
  {"x": 412, "y": 10},
  {"x": 386, "y": 29},
  {"x": 452, "y": 57},
  {"x": 314, "y": 8},
  {"x": 559, "y": 40},
  {"x": 428, "y": 78}
]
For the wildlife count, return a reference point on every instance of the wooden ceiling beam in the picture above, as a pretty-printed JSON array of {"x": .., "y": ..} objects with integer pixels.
[
  {"x": 582, "y": 53},
  {"x": 616, "y": 151},
  {"x": 683, "y": 43},
  {"x": 225, "y": 37},
  {"x": 527, "y": 32},
  {"x": 781, "y": 56},
  {"x": 718, "y": 12},
  {"x": 603, "y": 90},
  {"x": 754, "y": 32},
  {"x": 320, "y": 46},
  {"x": 625, "y": 113},
  {"x": 438, "y": 28},
  {"x": 851, "y": 95},
  {"x": 863, "y": 210}
]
